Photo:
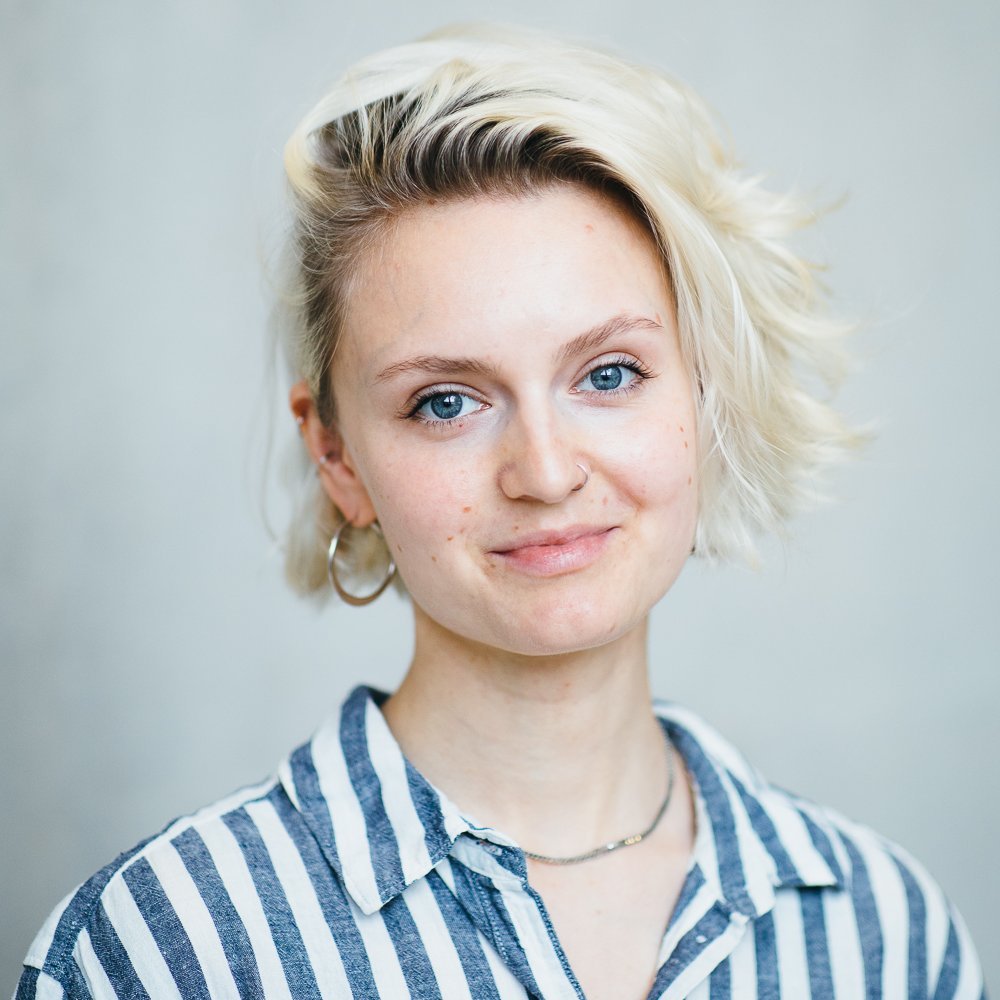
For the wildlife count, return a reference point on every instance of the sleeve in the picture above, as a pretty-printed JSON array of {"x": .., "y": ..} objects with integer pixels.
[
  {"x": 52, "y": 969},
  {"x": 35, "y": 984},
  {"x": 76, "y": 954},
  {"x": 958, "y": 976},
  {"x": 911, "y": 940},
  {"x": 938, "y": 938}
]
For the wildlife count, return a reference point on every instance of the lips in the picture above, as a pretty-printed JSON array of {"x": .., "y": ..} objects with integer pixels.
[{"x": 553, "y": 553}]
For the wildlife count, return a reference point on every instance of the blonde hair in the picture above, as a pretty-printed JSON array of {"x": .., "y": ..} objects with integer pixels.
[{"x": 471, "y": 111}]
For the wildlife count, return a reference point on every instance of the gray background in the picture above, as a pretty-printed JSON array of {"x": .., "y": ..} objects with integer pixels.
[{"x": 153, "y": 658}]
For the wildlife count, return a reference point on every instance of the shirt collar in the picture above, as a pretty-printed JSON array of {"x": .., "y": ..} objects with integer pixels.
[
  {"x": 752, "y": 838},
  {"x": 393, "y": 826}
]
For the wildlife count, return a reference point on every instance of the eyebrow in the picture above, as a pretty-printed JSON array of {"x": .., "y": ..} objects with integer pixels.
[
  {"x": 589, "y": 340},
  {"x": 594, "y": 338}
]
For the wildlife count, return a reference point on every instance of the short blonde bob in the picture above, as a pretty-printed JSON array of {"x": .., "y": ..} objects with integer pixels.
[{"x": 483, "y": 111}]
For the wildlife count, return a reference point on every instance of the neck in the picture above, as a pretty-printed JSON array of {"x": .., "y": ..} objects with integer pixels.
[{"x": 559, "y": 752}]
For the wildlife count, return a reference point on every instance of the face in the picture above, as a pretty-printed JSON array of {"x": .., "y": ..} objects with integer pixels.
[{"x": 513, "y": 408}]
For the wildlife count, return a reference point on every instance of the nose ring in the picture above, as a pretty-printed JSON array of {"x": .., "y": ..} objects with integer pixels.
[{"x": 586, "y": 479}]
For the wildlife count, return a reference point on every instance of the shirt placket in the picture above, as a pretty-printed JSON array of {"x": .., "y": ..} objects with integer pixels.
[
  {"x": 512, "y": 915},
  {"x": 700, "y": 937}
]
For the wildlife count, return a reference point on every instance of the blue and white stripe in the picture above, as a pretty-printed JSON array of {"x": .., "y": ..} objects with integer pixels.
[{"x": 349, "y": 876}]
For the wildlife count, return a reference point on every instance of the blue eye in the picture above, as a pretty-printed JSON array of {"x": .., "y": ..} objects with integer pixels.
[
  {"x": 444, "y": 406},
  {"x": 614, "y": 376},
  {"x": 608, "y": 378}
]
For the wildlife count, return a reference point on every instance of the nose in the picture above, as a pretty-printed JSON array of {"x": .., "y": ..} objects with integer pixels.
[{"x": 541, "y": 462}]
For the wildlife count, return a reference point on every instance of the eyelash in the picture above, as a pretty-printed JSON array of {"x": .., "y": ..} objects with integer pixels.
[
  {"x": 633, "y": 365},
  {"x": 412, "y": 410},
  {"x": 641, "y": 371}
]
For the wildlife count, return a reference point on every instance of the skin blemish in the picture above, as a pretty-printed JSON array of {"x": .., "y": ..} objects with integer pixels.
[
  {"x": 588, "y": 228},
  {"x": 434, "y": 558},
  {"x": 451, "y": 538},
  {"x": 604, "y": 501},
  {"x": 465, "y": 510},
  {"x": 689, "y": 480},
  {"x": 681, "y": 430},
  {"x": 685, "y": 444}
]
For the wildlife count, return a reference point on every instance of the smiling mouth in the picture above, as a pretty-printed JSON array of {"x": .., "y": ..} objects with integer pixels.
[{"x": 556, "y": 553}]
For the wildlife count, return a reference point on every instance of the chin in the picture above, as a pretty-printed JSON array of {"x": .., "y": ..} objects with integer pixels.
[{"x": 557, "y": 629}]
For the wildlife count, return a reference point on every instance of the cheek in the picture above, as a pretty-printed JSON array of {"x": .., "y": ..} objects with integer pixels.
[
  {"x": 658, "y": 461},
  {"x": 659, "y": 475},
  {"x": 425, "y": 509}
]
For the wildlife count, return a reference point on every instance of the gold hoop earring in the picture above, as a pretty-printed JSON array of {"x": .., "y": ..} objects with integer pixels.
[{"x": 331, "y": 567}]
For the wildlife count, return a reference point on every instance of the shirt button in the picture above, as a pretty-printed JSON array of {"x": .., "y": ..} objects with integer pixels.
[{"x": 701, "y": 939}]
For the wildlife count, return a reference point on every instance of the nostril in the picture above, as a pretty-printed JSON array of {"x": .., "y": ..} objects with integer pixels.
[{"x": 545, "y": 481}]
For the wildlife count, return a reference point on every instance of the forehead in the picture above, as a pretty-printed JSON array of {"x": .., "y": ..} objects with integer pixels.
[{"x": 480, "y": 274}]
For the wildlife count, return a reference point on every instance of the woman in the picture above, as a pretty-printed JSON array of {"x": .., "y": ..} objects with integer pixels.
[{"x": 548, "y": 342}]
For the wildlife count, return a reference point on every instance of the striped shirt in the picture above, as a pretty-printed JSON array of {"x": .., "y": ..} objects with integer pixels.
[{"x": 350, "y": 875}]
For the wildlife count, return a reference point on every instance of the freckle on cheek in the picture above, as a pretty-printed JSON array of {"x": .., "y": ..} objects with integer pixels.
[
  {"x": 465, "y": 510},
  {"x": 685, "y": 444},
  {"x": 451, "y": 538},
  {"x": 434, "y": 558},
  {"x": 689, "y": 480},
  {"x": 681, "y": 429}
]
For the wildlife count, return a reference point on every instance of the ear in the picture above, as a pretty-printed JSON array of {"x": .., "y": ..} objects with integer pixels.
[{"x": 334, "y": 464}]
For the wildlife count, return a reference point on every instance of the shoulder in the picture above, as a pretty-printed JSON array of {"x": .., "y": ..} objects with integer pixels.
[
  {"x": 230, "y": 898},
  {"x": 858, "y": 899},
  {"x": 87, "y": 946},
  {"x": 900, "y": 918}
]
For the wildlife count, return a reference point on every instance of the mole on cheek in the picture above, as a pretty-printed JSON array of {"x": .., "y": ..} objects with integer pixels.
[
  {"x": 689, "y": 480},
  {"x": 434, "y": 558},
  {"x": 465, "y": 510},
  {"x": 451, "y": 538}
]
